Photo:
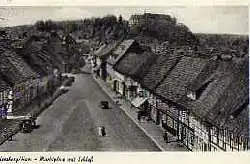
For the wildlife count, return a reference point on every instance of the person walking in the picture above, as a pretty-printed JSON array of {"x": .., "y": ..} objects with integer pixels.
[
  {"x": 139, "y": 116},
  {"x": 103, "y": 131},
  {"x": 165, "y": 136}
]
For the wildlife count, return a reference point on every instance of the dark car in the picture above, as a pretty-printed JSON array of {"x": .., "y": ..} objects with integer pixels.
[
  {"x": 104, "y": 104},
  {"x": 28, "y": 125},
  {"x": 72, "y": 79}
]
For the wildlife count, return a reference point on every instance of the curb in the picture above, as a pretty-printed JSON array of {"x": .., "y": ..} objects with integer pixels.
[{"x": 125, "y": 111}]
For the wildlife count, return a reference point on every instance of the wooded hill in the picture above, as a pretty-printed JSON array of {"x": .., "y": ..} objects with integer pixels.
[{"x": 163, "y": 28}]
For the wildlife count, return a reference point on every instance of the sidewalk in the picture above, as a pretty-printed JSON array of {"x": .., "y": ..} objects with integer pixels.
[
  {"x": 152, "y": 130},
  {"x": 34, "y": 109}
]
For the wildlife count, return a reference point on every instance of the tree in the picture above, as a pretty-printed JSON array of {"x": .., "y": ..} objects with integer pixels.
[
  {"x": 39, "y": 25},
  {"x": 48, "y": 25},
  {"x": 120, "y": 19}
]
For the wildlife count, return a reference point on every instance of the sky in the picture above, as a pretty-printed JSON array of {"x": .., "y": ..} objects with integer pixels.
[{"x": 202, "y": 19}]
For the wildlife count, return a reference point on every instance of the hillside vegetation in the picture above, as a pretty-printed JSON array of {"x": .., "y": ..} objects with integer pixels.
[{"x": 163, "y": 28}]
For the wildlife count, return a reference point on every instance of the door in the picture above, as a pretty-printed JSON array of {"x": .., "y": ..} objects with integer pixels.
[{"x": 115, "y": 85}]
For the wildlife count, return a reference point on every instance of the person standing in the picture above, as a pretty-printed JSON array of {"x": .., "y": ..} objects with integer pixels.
[{"x": 165, "y": 136}]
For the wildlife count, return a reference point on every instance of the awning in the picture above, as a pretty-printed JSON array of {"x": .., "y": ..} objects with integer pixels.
[{"x": 138, "y": 101}]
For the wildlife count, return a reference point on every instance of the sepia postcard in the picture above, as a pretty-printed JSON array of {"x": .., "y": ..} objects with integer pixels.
[{"x": 82, "y": 81}]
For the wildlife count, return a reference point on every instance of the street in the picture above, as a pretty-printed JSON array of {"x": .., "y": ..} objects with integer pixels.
[{"x": 71, "y": 124}]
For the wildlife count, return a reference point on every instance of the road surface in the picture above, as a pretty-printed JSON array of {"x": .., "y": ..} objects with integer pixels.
[{"x": 71, "y": 124}]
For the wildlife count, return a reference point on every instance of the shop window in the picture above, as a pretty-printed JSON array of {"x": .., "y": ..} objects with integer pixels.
[
  {"x": 169, "y": 121},
  {"x": 191, "y": 139},
  {"x": 175, "y": 125}
]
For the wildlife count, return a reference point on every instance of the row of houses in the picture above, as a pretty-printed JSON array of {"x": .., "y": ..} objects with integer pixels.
[
  {"x": 22, "y": 81},
  {"x": 199, "y": 98}
]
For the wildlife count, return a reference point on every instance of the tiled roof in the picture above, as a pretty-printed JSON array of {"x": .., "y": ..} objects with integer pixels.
[
  {"x": 105, "y": 49},
  {"x": 3, "y": 84},
  {"x": 20, "y": 64},
  {"x": 135, "y": 65},
  {"x": 9, "y": 72},
  {"x": 123, "y": 47},
  {"x": 142, "y": 67},
  {"x": 222, "y": 100},
  {"x": 157, "y": 72},
  {"x": 174, "y": 86},
  {"x": 239, "y": 124},
  {"x": 38, "y": 58},
  {"x": 14, "y": 68}
]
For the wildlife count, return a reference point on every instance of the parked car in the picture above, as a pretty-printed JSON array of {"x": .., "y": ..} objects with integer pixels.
[
  {"x": 26, "y": 126},
  {"x": 104, "y": 104}
]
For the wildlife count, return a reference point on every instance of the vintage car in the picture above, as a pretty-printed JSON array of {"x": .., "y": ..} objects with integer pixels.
[
  {"x": 28, "y": 125},
  {"x": 104, "y": 104}
]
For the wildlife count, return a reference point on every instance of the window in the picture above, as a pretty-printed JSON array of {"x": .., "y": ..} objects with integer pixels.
[
  {"x": 221, "y": 138},
  {"x": 191, "y": 138},
  {"x": 191, "y": 95},
  {"x": 169, "y": 121},
  {"x": 227, "y": 137},
  {"x": 175, "y": 124},
  {"x": 140, "y": 93},
  {"x": 164, "y": 118},
  {"x": 214, "y": 135},
  {"x": 184, "y": 116}
]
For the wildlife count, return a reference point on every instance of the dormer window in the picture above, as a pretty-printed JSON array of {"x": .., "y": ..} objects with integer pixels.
[
  {"x": 191, "y": 95},
  {"x": 199, "y": 92}
]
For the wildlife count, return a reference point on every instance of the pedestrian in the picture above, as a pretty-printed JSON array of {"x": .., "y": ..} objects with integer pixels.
[
  {"x": 165, "y": 136},
  {"x": 11, "y": 135},
  {"x": 100, "y": 131},
  {"x": 103, "y": 131},
  {"x": 139, "y": 116}
]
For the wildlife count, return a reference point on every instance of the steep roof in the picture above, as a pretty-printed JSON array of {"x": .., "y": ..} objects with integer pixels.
[
  {"x": 123, "y": 47},
  {"x": 223, "y": 102},
  {"x": 14, "y": 68},
  {"x": 37, "y": 57},
  {"x": 9, "y": 72},
  {"x": 158, "y": 71},
  {"x": 142, "y": 67},
  {"x": 20, "y": 64},
  {"x": 135, "y": 65},
  {"x": 3, "y": 84},
  {"x": 105, "y": 49},
  {"x": 174, "y": 86}
]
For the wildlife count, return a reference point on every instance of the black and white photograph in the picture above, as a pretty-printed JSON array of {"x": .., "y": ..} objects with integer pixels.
[{"x": 124, "y": 78}]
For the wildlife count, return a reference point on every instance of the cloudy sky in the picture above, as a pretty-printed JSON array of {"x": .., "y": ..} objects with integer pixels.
[{"x": 205, "y": 19}]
